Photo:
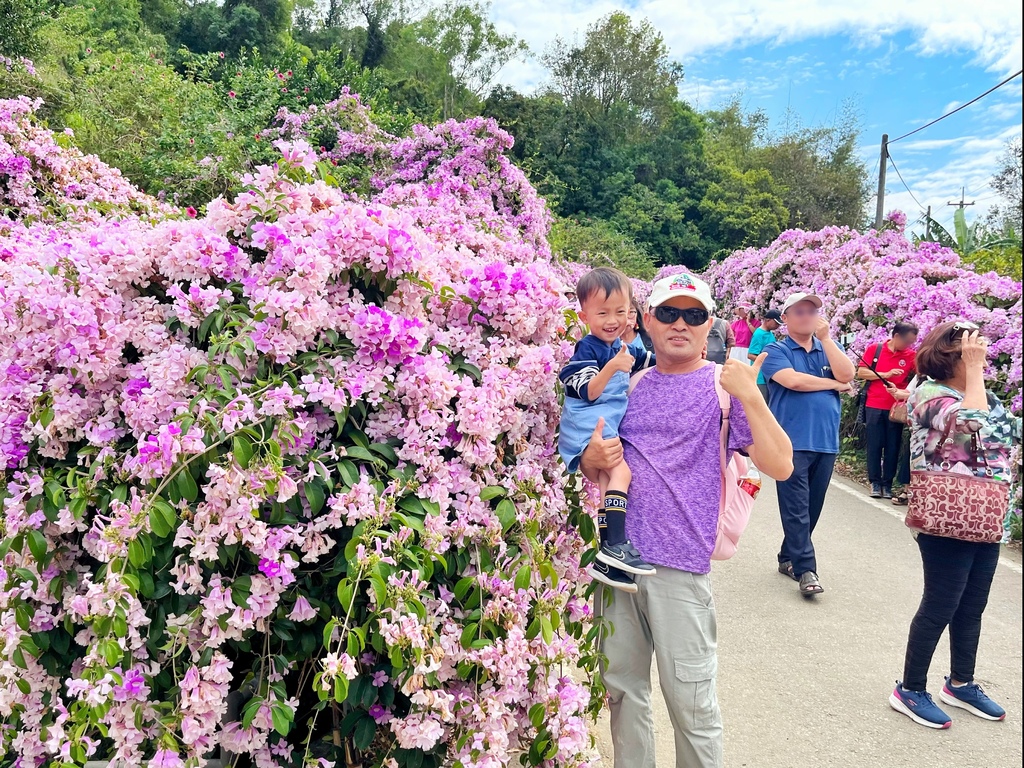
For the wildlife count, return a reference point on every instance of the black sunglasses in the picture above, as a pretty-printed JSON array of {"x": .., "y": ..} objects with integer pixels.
[
  {"x": 958, "y": 329},
  {"x": 691, "y": 315}
]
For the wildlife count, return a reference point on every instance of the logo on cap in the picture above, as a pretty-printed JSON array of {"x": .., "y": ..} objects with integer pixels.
[{"x": 682, "y": 282}]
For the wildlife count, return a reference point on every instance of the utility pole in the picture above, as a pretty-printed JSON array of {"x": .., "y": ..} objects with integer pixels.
[
  {"x": 961, "y": 205},
  {"x": 882, "y": 162},
  {"x": 928, "y": 224}
]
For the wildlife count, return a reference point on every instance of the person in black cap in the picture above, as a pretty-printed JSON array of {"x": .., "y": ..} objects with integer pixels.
[{"x": 763, "y": 336}]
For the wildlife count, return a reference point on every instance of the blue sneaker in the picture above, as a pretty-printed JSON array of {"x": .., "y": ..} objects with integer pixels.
[
  {"x": 972, "y": 698},
  {"x": 625, "y": 557},
  {"x": 919, "y": 707},
  {"x": 612, "y": 576}
]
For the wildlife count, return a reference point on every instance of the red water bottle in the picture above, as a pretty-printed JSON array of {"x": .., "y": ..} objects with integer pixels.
[{"x": 751, "y": 483}]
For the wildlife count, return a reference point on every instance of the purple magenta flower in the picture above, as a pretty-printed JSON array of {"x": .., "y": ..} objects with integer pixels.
[{"x": 270, "y": 568}]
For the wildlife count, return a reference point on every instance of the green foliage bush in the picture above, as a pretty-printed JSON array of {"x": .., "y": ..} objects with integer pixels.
[{"x": 598, "y": 243}]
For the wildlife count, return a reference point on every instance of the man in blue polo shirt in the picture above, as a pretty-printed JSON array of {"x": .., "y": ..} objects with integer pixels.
[{"x": 806, "y": 372}]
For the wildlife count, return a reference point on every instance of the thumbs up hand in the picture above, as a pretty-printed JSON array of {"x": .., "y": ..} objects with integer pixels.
[
  {"x": 623, "y": 360},
  {"x": 601, "y": 453}
]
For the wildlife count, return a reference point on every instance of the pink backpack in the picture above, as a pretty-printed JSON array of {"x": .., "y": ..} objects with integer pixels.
[{"x": 736, "y": 504}]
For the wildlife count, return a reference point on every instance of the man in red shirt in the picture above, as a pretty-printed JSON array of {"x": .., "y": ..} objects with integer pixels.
[{"x": 886, "y": 366}]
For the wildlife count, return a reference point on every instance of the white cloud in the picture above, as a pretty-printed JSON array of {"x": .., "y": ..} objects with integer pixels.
[
  {"x": 702, "y": 93},
  {"x": 989, "y": 29},
  {"x": 969, "y": 162}
]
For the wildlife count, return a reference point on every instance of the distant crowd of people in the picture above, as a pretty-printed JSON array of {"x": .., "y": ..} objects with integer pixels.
[{"x": 645, "y": 419}]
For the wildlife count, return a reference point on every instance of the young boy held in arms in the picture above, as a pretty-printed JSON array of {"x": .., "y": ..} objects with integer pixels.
[{"x": 596, "y": 382}]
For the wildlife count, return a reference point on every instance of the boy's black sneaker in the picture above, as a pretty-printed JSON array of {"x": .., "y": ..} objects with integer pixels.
[
  {"x": 625, "y": 557},
  {"x": 612, "y": 576}
]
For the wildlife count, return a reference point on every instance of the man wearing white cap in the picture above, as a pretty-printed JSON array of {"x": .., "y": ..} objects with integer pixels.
[
  {"x": 806, "y": 372},
  {"x": 670, "y": 438}
]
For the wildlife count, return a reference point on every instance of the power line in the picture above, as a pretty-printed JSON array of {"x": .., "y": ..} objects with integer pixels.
[
  {"x": 900, "y": 175},
  {"x": 962, "y": 106}
]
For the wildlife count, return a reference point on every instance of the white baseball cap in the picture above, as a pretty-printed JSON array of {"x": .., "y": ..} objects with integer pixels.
[
  {"x": 796, "y": 298},
  {"x": 682, "y": 284}
]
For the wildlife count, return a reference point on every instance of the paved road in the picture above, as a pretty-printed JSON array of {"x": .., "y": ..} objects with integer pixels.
[{"x": 805, "y": 683}]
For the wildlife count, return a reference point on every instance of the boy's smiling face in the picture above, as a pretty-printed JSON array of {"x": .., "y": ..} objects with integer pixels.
[{"x": 607, "y": 316}]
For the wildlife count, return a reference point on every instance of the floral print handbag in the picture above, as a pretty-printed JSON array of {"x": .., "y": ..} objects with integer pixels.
[{"x": 955, "y": 505}]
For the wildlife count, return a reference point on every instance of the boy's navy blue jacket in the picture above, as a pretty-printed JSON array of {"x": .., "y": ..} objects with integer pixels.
[{"x": 590, "y": 357}]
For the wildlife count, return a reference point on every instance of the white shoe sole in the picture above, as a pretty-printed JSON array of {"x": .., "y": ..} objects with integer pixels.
[
  {"x": 609, "y": 560},
  {"x": 903, "y": 709},
  {"x": 953, "y": 701},
  {"x": 596, "y": 575}
]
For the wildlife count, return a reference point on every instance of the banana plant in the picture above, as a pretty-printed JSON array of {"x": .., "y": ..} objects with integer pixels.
[{"x": 965, "y": 239}]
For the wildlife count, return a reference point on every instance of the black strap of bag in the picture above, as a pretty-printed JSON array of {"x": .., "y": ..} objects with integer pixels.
[{"x": 862, "y": 396}]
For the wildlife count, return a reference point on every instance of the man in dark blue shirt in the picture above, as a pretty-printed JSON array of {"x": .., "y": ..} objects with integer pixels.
[{"x": 806, "y": 372}]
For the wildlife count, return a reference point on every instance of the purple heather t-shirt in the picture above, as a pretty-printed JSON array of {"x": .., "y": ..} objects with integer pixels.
[{"x": 670, "y": 437}]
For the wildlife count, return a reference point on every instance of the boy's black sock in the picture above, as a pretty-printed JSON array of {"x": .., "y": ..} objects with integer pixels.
[{"x": 615, "y": 515}]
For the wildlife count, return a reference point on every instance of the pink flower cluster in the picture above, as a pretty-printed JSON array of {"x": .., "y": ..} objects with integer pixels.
[
  {"x": 44, "y": 178},
  {"x": 301, "y": 407}
]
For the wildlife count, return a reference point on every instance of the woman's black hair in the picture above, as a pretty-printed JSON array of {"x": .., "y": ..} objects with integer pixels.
[{"x": 641, "y": 329}]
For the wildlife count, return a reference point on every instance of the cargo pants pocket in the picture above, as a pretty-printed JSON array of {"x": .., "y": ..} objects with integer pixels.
[{"x": 696, "y": 691}]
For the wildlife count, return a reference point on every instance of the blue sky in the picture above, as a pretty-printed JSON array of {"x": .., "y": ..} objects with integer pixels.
[{"x": 898, "y": 64}]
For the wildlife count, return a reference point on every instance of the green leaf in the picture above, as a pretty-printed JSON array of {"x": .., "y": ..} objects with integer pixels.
[
  {"x": 250, "y": 711},
  {"x": 537, "y": 712},
  {"x": 279, "y": 715},
  {"x": 204, "y": 329},
  {"x": 120, "y": 493},
  {"x": 111, "y": 651},
  {"x": 386, "y": 451},
  {"x": 186, "y": 485},
  {"x": 411, "y": 504},
  {"x": 365, "y": 730},
  {"x": 523, "y": 576},
  {"x": 462, "y": 587},
  {"x": 546, "y": 630},
  {"x": 492, "y": 492},
  {"x": 397, "y": 660},
  {"x": 314, "y": 495},
  {"x": 241, "y": 589},
  {"x": 349, "y": 473},
  {"x": 380, "y": 589},
  {"x": 506, "y": 513},
  {"x": 357, "y": 452},
  {"x": 137, "y": 553},
  {"x": 147, "y": 587},
  {"x": 24, "y": 686},
  {"x": 328, "y": 631},
  {"x": 23, "y": 616},
  {"x": 242, "y": 450},
  {"x": 588, "y": 530},
  {"x": 37, "y": 545},
  {"x": 345, "y": 593},
  {"x": 468, "y": 635},
  {"x": 340, "y": 689},
  {"x": 158, "y": 522}
]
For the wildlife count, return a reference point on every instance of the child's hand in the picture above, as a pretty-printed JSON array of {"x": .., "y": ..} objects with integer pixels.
[{"x": 623, "y": 361}]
